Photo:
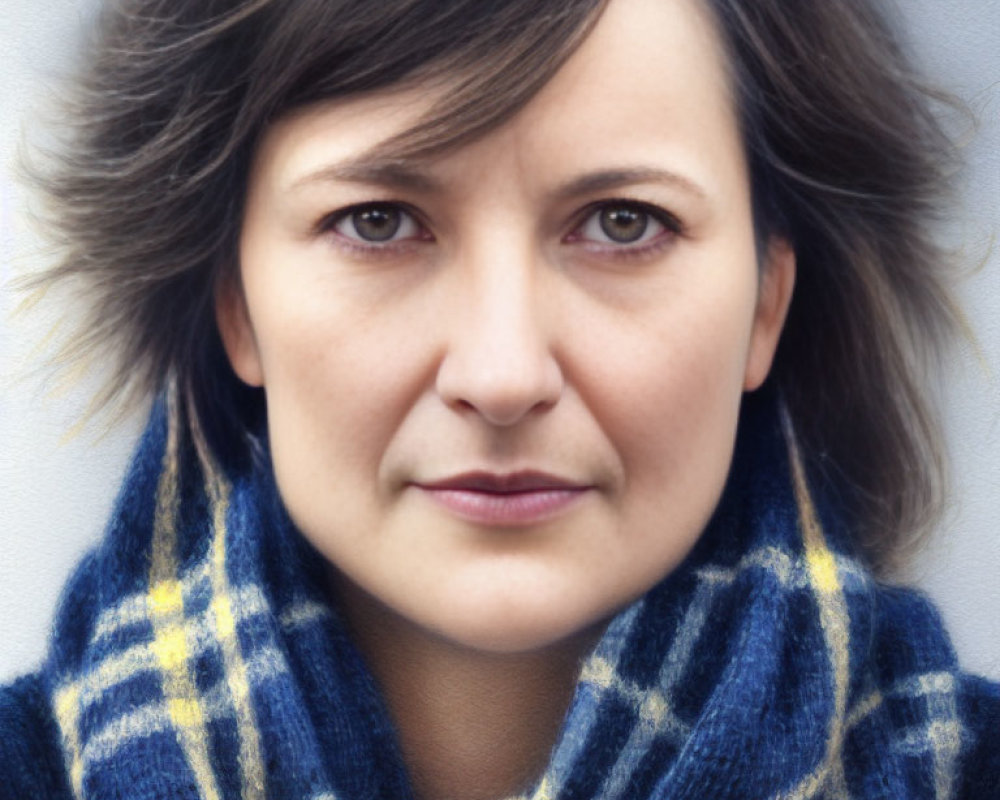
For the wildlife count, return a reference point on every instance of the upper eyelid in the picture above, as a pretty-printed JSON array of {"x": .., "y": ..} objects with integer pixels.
[
  {"x": 668, "y": 219},
  {"x": 326, "y": 226},
  {"x": 330, "y": 218}
]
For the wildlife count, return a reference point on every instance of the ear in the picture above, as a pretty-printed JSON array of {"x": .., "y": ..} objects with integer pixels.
[
  {"x": 233, "y": 318},
  {"x": 777, "y": 279}
]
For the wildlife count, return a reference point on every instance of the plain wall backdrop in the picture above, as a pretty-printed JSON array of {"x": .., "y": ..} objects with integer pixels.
[{"x": 55, "y": 493}]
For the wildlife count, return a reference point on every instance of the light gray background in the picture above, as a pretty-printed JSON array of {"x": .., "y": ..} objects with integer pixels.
[{"x": 56, "y": 493}]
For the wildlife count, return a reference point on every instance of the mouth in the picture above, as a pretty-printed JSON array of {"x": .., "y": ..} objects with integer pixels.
[{"x": 514, "y": 499}]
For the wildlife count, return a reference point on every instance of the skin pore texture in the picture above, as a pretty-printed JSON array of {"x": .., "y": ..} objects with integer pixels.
[{"x": 503, "y": 384}]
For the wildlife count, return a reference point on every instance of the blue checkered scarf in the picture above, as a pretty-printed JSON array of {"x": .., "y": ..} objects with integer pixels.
[{"x": 197, "y": 656}]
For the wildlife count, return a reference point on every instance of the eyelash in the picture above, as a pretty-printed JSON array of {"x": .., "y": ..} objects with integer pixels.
[
  {"x": 328, "y": 225},
  {"x": 670, "y": 224}
]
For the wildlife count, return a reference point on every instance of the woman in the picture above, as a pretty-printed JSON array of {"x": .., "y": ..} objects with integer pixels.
[{"x": 477, "y": 467}]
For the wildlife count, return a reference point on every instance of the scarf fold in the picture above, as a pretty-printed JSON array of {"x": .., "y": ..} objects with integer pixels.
[{"x": 196, "y": 656}]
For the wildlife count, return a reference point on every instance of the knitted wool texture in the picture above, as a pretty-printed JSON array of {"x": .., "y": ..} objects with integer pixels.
[{"x": 197, "y": 656}]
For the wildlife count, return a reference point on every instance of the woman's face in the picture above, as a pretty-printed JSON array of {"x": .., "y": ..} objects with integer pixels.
[{"x": 502, "y": 385}]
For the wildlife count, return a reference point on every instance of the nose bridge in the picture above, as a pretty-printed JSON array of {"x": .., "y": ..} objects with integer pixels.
[{"x": 499, "y": 360}]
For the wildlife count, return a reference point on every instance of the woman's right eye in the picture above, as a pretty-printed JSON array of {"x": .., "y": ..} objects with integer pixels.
[{"x": 377, "y": 224}]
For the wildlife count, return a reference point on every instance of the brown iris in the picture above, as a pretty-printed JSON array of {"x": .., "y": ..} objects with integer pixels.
[
  {"x": 623, "y": 224},
  {"x": 377, "y": 223}
]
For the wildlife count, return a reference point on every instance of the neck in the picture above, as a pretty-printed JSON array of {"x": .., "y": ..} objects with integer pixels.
[{"x": 472, "y": 725}]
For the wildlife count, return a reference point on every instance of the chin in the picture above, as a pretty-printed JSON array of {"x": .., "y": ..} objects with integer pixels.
[{"x": 526, "y": 628}]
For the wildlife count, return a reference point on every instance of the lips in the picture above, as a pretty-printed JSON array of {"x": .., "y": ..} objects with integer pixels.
[
  {"x": 512, "y": 482},
  {"x": 505, "y": 500}
]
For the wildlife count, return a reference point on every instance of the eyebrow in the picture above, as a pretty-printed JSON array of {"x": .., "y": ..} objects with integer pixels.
[
  {"x": 397, "y": 174},
  {"x": 389, "y": 172},
  {"x": 606, "y": 180}
]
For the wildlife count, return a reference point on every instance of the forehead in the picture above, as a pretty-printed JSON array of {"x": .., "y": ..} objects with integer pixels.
[{"x": 648, "y": 83}]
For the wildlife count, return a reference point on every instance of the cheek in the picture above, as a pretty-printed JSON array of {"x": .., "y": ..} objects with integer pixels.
[
  {"x": 672, "y": 385},
  {"x": 335, "y": 393},
  {"x": 677, "y": 433},
  {"x": 668, "y": 399}
]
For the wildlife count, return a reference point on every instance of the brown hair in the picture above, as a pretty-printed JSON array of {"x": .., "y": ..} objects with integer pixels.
[
  {"x": 846, "y": 160},
  {"x": 849, "y": 160}
]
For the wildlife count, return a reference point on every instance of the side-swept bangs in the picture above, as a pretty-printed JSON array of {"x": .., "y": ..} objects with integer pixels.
[{"x": 146, "y": 196}]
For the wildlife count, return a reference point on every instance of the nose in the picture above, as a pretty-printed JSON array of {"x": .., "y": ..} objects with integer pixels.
[{"x": 499, "y": 361}]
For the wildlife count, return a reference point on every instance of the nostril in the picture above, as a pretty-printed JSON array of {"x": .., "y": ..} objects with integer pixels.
[{"x": 502, "y": 394}]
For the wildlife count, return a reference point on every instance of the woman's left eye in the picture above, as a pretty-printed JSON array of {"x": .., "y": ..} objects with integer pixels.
[
  {"x": 377, "y": 224},
  {"x": 625, "y": 224}
]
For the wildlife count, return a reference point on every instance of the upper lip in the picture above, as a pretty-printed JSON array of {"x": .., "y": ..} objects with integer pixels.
[{"x": 507, "y": 482}]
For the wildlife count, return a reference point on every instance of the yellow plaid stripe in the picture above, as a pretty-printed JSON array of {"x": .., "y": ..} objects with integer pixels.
[
  {"x": 165, "y": 602},
  {"x": 833, "y": 618},
  {"x": 67, "y": 708},
  {"x": 251, "y": 766}
]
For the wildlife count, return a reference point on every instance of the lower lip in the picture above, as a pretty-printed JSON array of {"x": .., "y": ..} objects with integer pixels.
[{"x": 506, "y": 509}]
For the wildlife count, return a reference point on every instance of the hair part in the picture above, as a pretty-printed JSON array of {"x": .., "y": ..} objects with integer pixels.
[{"x": 846, "y": 159}]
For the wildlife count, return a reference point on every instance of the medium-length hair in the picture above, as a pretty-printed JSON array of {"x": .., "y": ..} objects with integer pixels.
[{"x": 846, "y": 157}]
